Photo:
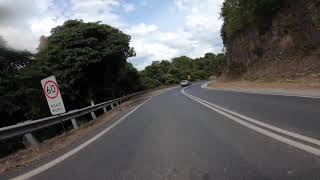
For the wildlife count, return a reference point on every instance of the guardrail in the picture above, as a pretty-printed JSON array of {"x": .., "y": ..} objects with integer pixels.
[{"x": 28, "y": 127}]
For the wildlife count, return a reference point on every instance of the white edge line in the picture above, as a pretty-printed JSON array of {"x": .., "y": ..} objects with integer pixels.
[
  {"x": 288, "y": 133},
  {"x": 258, "y": 129},
  {"x": 205, "y": 86},
  {"x": 74, "y": 151}
]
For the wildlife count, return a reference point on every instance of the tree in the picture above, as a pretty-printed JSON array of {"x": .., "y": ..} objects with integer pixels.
[
  {"x": 87, "y": 59},
  {"x": 184, "y": 64},
  {"x": 12, "y": 100},
  {"x": 43, "y": 42},
  {"x": 166, "y": 72},
  {"x": 150, "y": 83},
  {"x": 239, "y": 15},
  {"x": 170, "y": 79},
  {"x": 129, "y": 80}
]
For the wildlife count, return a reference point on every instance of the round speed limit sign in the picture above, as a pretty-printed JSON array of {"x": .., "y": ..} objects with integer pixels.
[
  {"x": 51, "y": 89},
  {"x": 53, "y": 95}
]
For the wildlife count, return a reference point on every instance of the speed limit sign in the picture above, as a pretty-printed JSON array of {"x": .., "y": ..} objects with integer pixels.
[{"x": 53, "y": 96}]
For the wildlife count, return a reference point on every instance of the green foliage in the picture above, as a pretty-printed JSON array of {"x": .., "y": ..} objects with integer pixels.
[
  {"x": 128, "y": 80},
  {"x": 88, "y": 59},
  {"x": 170, "y": 79},
  {"x": 241, "y": 14},
  {"x": 150, "y": 83},
  {"x": 12, "y": 62},
  {"x": 166, "y": 72}
]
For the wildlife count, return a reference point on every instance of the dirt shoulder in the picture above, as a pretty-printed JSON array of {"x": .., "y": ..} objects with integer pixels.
[
  {"x": 299, "y": 89},
  {"x": 59, "y": 143}
]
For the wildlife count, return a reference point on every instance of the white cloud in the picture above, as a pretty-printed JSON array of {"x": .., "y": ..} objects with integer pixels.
[
  {"x": 128, "y": 7},
  {"x": 199, "y": 35},
  {"x": 43, "y": 5},
  {"x": 93, "y": 7},
  {"x": 23, "y": 22},
  {"x": 142, "y": 29},
  {"x": 40, "y": 26},
  {"x": 19, "y": 37},
  {"x": 19, "y": 24},
  {"x": 180, "y": 4},
  {"x": 97, "y": 10},
  {"x": 155, "y": 51}
]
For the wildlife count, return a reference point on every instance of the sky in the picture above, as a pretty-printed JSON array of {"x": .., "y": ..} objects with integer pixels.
[{"x": 160, "y": 29}]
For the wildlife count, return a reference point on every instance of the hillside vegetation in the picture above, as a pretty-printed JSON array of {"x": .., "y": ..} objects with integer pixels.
[
  {"x": 89, "y": 61},
  {"x": 172, "y": 72},
  {"x": 239, "y": 15},
  {"x": 272, "y": 40}
]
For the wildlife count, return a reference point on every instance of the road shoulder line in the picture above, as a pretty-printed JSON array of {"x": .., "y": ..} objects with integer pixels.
[{"x": 236, "y": 117}]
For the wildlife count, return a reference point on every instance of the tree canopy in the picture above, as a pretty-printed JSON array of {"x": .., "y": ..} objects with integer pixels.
[
  {"x": 171, "y": 72},
  {"x": 11, "y": 99},
  {"x": 241, "y": 14},
  {"x": 89, "y": 61}
]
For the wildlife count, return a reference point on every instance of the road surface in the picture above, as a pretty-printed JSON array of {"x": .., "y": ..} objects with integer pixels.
[{"x": 176, "y": 135}]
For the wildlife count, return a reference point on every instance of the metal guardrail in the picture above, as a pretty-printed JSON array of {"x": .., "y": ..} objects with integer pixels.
[{"x": 31, "y": 126}]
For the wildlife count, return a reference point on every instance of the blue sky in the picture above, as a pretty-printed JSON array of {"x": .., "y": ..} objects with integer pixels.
[{"x": 159, "y": 29}]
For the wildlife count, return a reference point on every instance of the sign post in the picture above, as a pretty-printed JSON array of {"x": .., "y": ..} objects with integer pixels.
[{"x": 53, "y": 95}]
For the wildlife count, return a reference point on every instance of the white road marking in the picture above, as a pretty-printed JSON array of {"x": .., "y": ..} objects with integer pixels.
[
  {"x": 234, "y": 116},
  {"x": 85, "y": 144},
  {"x": 288, "y": 133},
  {"x": 205, "y": 86},
  {"x": 56, "y": 161}
]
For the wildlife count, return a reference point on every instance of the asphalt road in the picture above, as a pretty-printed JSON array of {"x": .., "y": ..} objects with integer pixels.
[{"x": 173, "y": 136}]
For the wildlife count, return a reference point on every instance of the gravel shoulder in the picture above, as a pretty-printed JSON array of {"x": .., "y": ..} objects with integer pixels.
[{"x": 277, "y": 88}]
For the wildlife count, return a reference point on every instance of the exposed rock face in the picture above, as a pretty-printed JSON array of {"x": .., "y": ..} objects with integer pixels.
[{"x": 293, "y": 37}]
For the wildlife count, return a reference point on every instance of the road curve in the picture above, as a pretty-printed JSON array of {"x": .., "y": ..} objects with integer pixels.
[
  {"x": 174, "y": 137},
  {"x": 298, "y": 114}
]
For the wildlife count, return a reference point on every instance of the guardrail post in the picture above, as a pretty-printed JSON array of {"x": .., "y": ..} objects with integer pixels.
[
  {"x": 74, "y": 123},
  {"x": 105, "y": 110},
  {"x": 111, "y": 105},
  {"x": 124, "y": 99},
  {"x": 93, "y": 115},
  {"x": 31, "y": 140}
]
